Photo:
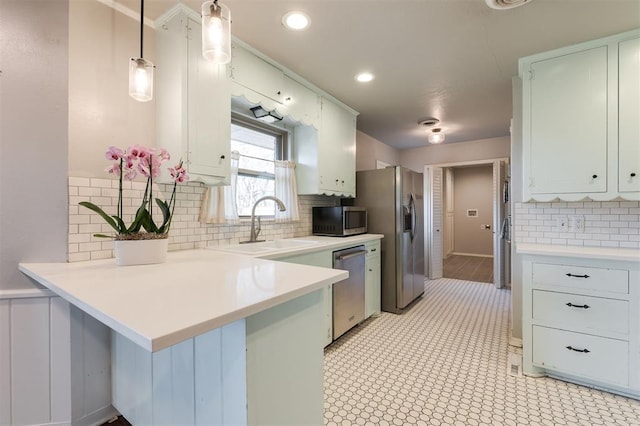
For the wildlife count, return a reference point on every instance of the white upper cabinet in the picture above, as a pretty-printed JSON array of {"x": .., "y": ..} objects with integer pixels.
[
  {"x": 252, "y": 72},
  {"x": 580, "y": 121},
  {"x": 193, "y": 106},
  {"x": 629, "y": 115},
  {"x": 301, "y": 103},
  {"x": 326, "y": 157}
]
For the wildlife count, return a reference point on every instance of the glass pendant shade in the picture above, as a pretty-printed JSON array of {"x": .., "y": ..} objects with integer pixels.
[
  {"x": 216, "y": 32},
  {"x": 141, "y": 79}
]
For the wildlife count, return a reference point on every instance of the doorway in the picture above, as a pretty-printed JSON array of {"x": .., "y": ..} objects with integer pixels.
[{"x": 465, "y": 209}]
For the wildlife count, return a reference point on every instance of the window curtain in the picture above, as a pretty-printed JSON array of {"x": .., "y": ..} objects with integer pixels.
[
  {"x": 219, "y": 203},
  {"x": 285, "y": 189}
]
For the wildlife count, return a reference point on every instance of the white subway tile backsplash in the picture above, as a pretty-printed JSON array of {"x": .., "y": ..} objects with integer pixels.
[
  {"x": 186, "y": 231},
  {"x": 606, "y": 224}
]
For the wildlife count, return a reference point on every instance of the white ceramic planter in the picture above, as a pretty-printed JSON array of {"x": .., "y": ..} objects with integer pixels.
[{"x": 140, "y": 252}]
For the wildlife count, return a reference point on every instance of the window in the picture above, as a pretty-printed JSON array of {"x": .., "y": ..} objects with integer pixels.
[{"x": 259, "y": 146}]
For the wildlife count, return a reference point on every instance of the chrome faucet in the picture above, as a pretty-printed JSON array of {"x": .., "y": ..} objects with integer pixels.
[{"x": 253, "y": 238}]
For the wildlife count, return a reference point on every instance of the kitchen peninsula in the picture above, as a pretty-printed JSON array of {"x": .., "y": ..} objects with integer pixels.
[{"x": 179, "y": 339}]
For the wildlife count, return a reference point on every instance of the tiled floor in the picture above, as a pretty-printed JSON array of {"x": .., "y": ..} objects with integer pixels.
[
  {"x": 445, "y": 362},
  {"x": 469, "y": 268}
]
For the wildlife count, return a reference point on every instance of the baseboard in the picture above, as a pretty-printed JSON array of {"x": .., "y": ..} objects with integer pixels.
[
  {"x": 97, "y": 417},
  {"x": 471, "y": 254},
  {"x": 514, "y": 341}
]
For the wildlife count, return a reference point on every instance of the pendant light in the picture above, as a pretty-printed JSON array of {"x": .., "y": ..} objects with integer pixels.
[
  {"x": 216, "y": 32},
  {"x": 141, "y": 71}
]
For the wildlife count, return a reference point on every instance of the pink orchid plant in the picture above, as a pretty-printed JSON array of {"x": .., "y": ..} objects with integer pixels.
[{"x": 139, "y": 160}]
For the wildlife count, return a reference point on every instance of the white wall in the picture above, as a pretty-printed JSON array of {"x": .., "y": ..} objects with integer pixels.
[
  {"x": 473, "y": 189},
  {"x": 483, "y": 149},
  {"x": 33, "y": 136},
  {"x": 101, "y": 112},
  {"x": 369, "y": 150}
]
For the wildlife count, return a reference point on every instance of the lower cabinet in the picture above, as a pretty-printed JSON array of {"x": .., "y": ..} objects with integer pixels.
[
  {"x": 581, "y": 321},
  {"x": 372, "y": 279},
  {"x": 324, "y": 259}
]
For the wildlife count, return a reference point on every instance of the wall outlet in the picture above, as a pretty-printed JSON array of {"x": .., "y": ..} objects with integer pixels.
[
  {"x": 576, "y": 224},
  {"x": 562, "y": 224}
]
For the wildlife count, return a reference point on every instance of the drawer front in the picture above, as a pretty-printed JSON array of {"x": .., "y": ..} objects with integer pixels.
[
  {"x": 607, "y": 360},
  {"x": 581, "y": 277},
  {"x": 581, "y": 312},
  {"x": 373, "y": 248}
]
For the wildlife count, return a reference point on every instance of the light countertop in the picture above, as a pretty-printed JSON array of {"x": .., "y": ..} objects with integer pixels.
[
  {"x": 319, "y": 243},
  {"x": 157, "y": 306},
  {"x": 604, "y": 253}
]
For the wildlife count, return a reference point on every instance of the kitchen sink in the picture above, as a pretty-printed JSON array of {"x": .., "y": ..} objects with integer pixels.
[{"x": 263, "y": 247}]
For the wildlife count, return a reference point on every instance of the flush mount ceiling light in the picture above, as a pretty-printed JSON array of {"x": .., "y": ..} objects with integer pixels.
[
  {"x": 364, "y": 77},
  {"x": 216, "y": 32},
  {"x": 436, "y": 136},
  {"x": 264, "y": 115},
  {"x": 141, "y": 71},
  {"x": 296, "y": 20}
]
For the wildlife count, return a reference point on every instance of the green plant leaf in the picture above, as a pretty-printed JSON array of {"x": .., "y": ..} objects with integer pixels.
[
  {"x": 137, "y": 222},
  {"x": 120, "y": 222},
  {"x": 166, "y": 215},
  {"x": 103, "y": 236},
  {"x": 101, "y": 212}
]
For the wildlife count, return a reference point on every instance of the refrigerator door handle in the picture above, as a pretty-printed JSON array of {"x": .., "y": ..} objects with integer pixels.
[{"x": 412, "y": 209}]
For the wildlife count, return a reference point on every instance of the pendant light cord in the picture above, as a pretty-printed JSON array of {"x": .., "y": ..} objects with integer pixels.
[{"x": 141, "y": 25}]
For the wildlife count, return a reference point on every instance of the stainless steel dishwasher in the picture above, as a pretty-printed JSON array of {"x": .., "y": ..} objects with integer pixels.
[{"x": 348, "y": 294}]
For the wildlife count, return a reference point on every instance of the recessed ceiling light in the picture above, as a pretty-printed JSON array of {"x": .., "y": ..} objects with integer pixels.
[
  {"x": 296, "y": 20},
  {"x": 364, "y": 77}
]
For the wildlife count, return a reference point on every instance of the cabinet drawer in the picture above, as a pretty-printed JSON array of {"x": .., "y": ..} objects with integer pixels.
[
  {"x": 607, "y": 360},
  {"x": 373, "y": 248},
  {"x": 581, "y": 278},
  {"x": 581, "y": 312}
]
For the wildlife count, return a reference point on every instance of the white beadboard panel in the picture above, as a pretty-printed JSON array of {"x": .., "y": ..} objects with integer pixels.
[
  {"x": 97, "y": 364},
  {"x": 5, "y": 363},
  {"x": 208, "y": 381},
  {"x": 234, "y": 364},
  {"x": 60, "y": 360},
  {"x": 199, "y": 381},
  {"x": 183, "y": 378},
  {"x": 30, "y": 382}
]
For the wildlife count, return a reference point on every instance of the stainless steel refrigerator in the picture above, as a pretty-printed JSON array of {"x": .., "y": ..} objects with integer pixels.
[{"x": 394, "y": 199}]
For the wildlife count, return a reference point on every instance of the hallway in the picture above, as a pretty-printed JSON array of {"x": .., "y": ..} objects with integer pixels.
[{"x": 469, "y": 268}]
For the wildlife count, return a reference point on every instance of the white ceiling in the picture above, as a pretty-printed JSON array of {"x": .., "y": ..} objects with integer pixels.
[{"x": 450, "y": 59}]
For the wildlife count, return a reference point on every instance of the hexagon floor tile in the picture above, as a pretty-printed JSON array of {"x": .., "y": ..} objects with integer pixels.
[{"x": 445, "y": 362}]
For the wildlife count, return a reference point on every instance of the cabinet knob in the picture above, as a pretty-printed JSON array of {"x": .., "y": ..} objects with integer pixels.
[
  {"x": 633, "y": 174},
  {"x": 594, "y": 176},
  {"x": 222, "y": 157}
]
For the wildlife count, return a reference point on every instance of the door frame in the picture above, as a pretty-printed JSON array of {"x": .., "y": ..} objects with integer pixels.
[{"x": 428, "y": 214}]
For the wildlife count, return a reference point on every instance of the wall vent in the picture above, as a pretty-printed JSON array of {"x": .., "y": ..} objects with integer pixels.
[{"x": 505, "y": 4}]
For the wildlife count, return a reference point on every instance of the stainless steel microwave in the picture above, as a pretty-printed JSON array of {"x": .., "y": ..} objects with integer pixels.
[{"x": 339, "y": 221}]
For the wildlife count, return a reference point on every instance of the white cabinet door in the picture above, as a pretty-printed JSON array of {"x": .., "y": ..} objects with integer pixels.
[
  {"x": 302, "y": 104},
  {"x": 629, "y": 116},
  {"x": 567, "y": 133},
  {"x": 193, "y": 101},
  {"x": 209, "y": 111},
  {"x": 337, "y": 150},
  {"x": 372, "y": 281},
  {"x": 322, "y": 259},
  {"x": 256, "y": 74}
]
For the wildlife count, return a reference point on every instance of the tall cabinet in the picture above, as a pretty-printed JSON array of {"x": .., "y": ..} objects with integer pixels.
[
  {"x": 193, "y": 108},
  {"x": 581, "y": 118}
]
